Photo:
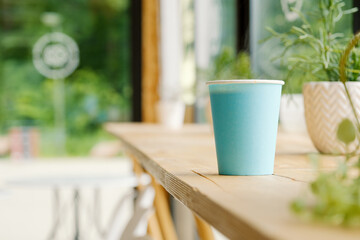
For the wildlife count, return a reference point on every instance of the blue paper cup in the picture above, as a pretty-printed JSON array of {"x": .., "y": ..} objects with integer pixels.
[{"x": 245, "y": 120}]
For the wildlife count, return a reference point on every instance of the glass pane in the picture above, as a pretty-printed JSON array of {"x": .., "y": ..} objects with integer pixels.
[
  {"x": 215, "y": 34},
  {"x": 278, "y": 15},
  {"x": 97, "y": 91}
]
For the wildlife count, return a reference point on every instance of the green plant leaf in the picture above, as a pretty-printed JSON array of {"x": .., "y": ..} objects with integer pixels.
[
  {"x": 298, "y": 205},
  {"x": 346, "y": 131}
]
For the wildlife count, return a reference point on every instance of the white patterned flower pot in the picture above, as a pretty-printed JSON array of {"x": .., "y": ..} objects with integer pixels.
[{"x": 326, "y": 105}]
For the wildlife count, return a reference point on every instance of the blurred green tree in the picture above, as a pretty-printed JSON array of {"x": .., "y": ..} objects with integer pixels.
[{"x": 98, "y": 91}]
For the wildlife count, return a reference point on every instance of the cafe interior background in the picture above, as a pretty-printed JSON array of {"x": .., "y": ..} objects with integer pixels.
[{"x": 68, "y": 67}]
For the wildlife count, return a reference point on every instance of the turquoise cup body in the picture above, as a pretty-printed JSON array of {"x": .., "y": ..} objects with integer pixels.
[{"x": 245, "y": 120}]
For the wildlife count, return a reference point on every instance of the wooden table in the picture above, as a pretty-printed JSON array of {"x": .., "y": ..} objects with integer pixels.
[{"x": 241, "y": 207}]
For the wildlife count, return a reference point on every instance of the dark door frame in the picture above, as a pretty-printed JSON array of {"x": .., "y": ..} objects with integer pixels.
[
  {"x": 136, "y": 59},
  {"x": 243, "y": 29},
  {"x": 242, "y": 25},
  {"x": 356, "y": 19}
]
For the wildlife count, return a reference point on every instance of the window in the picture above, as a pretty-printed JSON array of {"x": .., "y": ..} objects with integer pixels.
[{"x": 97, "y": 91}]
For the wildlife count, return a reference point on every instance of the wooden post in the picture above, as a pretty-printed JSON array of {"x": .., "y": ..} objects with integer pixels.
[
  {"x": 150, "y": 59},
  {"x": 204, "y": 229}
]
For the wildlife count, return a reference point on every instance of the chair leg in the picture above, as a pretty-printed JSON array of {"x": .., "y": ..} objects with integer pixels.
[
  {"x": 204, "y": 229},
  {"x": 154, "y": 229},
  {"x": 163, "y": 212},
  {"x": 137, "y": 225},
  {"x": 57, "y": 216}
]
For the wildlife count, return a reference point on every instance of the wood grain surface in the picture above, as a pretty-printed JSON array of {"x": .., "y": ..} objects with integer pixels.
[
  {"x": 241, "y": 207},
  {"x": 150, "y": 59}
]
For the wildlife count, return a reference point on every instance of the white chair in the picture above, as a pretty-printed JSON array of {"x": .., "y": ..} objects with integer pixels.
[{"x": 136, "y": 228}]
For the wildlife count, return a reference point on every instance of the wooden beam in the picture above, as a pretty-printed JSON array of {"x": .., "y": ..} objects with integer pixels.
[{"x": 150, "y": 59}]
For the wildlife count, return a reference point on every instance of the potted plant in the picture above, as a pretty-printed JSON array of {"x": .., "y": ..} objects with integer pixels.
[
  {"x": 325, "y": 99},
  {"x": 335, "y": 194}
]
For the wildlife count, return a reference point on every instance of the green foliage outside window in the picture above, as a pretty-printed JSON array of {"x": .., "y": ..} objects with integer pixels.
[
  {"x": 228, "y": 65},
  {"x": 265, "y": 54},
  {"x": 321, "y": 45},
  {"x": 98, "y": 91}
]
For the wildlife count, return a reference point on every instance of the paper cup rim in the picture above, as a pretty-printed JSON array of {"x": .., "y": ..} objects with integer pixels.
[{"x": 251, "y": 81}]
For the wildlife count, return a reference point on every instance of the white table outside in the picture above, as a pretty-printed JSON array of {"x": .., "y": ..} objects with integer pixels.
[{"x": 65, "y": 178}]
